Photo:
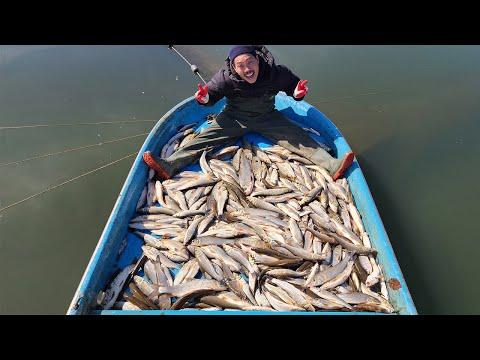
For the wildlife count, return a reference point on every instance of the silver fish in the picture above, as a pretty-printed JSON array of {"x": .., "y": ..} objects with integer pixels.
[
  {"x": 327, "y": 250},
  {"x": 151, "y": 193},
  {"x": 151, "y": 174},
  {"x": 151, "y": 272},
  {"x": 212, "y": 240},
  {"x": 262, "y": 156},
  {"x": 246, "y": 175},
  {"x": 286, "y": 170},
  {"x": 226, "y": 300},
  {"x": 311, "y": 195},
  {"x": 324, "y": 199},
  {"x": 324, "y": 294},
  {"x": 171, "y": 204},
  {"x": 198, "y": 204},
  {"x": 280, "y": 305},
  {"x": 113, "y": 290},
  {"x": 308, "y": 239},
  {"x": 279, "y": 293},
  {"x": 222, "y": 197},
  {"x": 300, "y": 159},
  {"x": 206, "y": 265},
  {"x": 185, "y": 213},
  {"x": 344, "y": 215},
  {"x": 285, "y": 273},
  {"x": 242, "y": 258},
  {"x": 294, "y": 204},
  {"x": 190, "y": 287},
  {"x": 302, "y": 253},
  {"x": 187, "y": 272},
  {"x": 214, "y": 251},
  {"x": 295, "y": 231},
  {"x": 156, "y": 210},
  {"x": 288, "y": 211},
  {"x": 192, "y": 229},
  {"x": 155, "y": 255},
  {"x": 236, "y": 159},
  {"x": 205, "y": 223},
  {"x": 261, "y": 299},
  {"x": 338, "y": 191},
  {"x": 307, "y": 178},
  {"x": 330, "y": 273},
  {"x": 297, "y": 295},
  {"x": 323, "y": 223},
  {"x": 225, "y": 151},
  {"x": 200, "y": 181},
  {"x": 359, "y": 249},
  {"x": 204, "y": 164},
  {"x": 258, "y": 203},
  {"x": 179, "y": 198},
  {"x": 194, "y": 195},
  {"x": 270, "y": 192},
  {"x": 274, "y": 177},
  {"x": 186, "y": 140},
  {"x": 342, "y": 277},
  {"x": 171, "y": 148},
  {"x": 280, "y": 198},
  {"x": 143, "y": 198},
  {"x": 356, "y": 217}
]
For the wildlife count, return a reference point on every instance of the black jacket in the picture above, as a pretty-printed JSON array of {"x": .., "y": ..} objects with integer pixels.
[{"x": 271, "y": 79}]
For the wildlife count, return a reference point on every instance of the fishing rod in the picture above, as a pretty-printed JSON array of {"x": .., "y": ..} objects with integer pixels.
[{"x": 193, "y": 67}]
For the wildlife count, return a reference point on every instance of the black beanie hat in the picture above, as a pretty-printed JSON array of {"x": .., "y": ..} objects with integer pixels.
[{"x": 240, "y": 49}]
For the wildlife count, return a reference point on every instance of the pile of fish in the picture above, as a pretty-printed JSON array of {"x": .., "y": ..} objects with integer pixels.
[{"x": 257, "y": 229}]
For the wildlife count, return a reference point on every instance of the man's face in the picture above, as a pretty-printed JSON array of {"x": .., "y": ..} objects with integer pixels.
[{"x": 246, "y": 66}]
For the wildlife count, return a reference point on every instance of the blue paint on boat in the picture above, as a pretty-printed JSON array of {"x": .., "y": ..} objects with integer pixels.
[{"x": 118, "y": 247}]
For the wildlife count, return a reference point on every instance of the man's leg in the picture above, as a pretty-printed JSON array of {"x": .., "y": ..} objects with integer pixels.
[
  {"x": 280, "y": 130},
  {"x": 223, "y": 129}
]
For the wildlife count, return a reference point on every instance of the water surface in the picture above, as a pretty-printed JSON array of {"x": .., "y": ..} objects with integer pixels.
[{"x": 410, "y": 113}]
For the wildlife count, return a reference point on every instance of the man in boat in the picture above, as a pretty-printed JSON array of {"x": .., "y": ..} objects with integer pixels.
[{"x": 250, "y": 80}]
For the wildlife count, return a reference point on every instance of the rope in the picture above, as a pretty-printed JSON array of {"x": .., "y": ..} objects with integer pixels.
[
  {"x": 65, "y": 182},
  {"x": 70, "y": 150},
  {"x": 194, "y": 68},
  {"x": 74, "y": 124}
]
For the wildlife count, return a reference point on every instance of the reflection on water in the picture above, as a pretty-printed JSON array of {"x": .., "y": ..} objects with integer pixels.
[{"x": 409, "y": 112}]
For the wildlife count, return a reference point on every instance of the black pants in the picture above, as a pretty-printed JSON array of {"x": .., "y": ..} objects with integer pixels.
[{"x": 228, "y": 127}]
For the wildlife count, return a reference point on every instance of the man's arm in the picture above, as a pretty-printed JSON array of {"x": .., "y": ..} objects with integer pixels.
[
  {"x": 216, "y": 90},
  {"x": 288, "y": 82}
]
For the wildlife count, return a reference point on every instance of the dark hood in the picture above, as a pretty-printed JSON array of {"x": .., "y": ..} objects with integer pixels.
[{"x": 266, "y": 66}]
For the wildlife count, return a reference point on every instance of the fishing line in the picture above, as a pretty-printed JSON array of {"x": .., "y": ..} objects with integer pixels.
[
  {"x": 65, "y": 182},
  {"x": 74, "y": 124},
  {"x": 194, "y": 68},
  {"x": 72, "y": 149}
]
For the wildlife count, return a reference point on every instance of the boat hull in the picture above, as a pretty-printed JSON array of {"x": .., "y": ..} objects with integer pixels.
[{"x": 118, "y": 248}]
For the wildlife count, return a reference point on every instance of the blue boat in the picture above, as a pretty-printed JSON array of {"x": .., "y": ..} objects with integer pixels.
[{"x": 118, "y": 247}]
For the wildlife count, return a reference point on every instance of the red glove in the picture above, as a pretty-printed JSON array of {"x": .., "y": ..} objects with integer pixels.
[
  {"x": 202, "y": 94},
  {"x": 301, "y": 90}
]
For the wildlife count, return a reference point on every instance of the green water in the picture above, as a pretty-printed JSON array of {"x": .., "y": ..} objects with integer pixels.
[{"x": 410, "y": 113}]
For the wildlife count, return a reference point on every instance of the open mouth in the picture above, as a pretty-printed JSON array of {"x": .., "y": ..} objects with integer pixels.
[{"x": 250, "y": 75}]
